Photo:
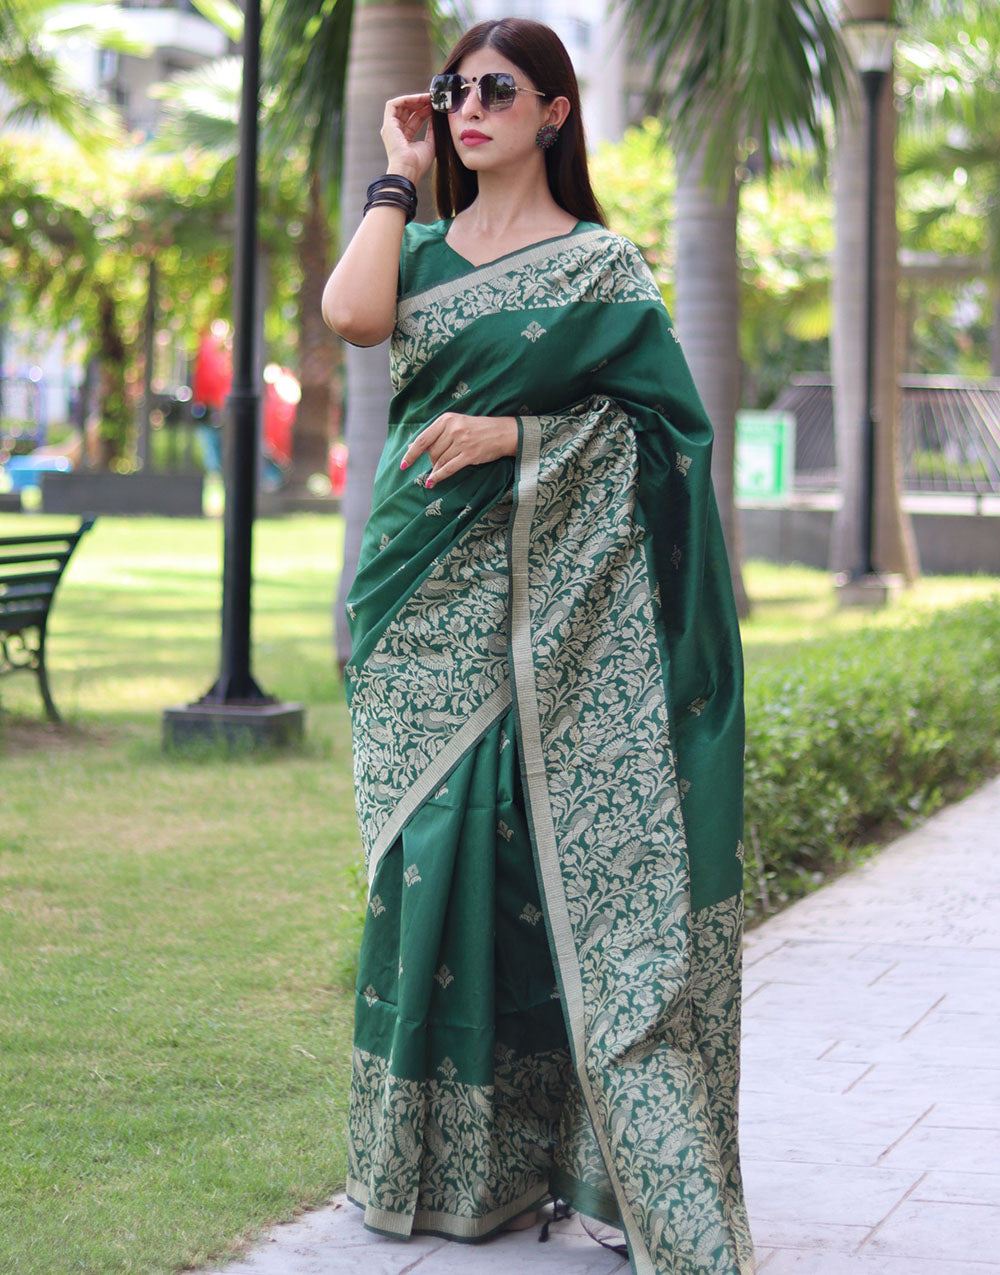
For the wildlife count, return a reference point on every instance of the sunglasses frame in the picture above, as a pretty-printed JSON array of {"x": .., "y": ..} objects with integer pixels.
[{"x": 465, "y": 86}]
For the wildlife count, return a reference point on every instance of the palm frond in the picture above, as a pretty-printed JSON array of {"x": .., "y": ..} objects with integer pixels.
[
  {"x": 305, "y": 58},
  {"x": 765, "y": 68},
  {"x": 37, "y": 90}
]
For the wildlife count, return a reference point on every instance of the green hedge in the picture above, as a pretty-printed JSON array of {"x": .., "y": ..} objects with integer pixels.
[{"x": 854, "y": 737}]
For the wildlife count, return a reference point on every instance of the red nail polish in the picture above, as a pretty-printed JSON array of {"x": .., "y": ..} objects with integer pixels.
[
  {"x": 429, "y": 483},
  {"x": 403, "y": 464}
]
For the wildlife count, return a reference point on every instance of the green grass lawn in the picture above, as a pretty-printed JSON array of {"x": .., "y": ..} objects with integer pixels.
[{"x": 176, "y": 935}]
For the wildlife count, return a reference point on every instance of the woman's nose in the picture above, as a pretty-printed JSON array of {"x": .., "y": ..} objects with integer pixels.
[{"x": 472, "y": 108}]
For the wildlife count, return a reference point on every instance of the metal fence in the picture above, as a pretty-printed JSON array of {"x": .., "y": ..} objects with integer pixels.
[{"x": 950, "y": 427}]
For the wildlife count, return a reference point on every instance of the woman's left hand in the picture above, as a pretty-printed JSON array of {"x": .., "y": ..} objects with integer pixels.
[{"x": 454, "y": 441}]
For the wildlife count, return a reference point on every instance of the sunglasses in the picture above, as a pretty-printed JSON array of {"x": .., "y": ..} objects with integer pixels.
[{"x": 496, "y": 90}]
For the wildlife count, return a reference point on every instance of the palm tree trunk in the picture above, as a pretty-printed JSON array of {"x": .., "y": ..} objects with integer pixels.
[
  {"x": 114, "y": 425},
  {"x": 391, "y": 53},
  {"x": 318, "y": 353},
  {"x": 894, "y": 546},
  {"x": 707, "y": 316}
]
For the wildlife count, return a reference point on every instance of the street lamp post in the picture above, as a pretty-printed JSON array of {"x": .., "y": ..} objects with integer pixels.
[
  {"x": 870, "y": 41},
  {"x": 235, "y": 711}
]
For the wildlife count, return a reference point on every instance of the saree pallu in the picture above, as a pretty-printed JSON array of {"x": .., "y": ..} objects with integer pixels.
[{"x": 546, "y": 700}]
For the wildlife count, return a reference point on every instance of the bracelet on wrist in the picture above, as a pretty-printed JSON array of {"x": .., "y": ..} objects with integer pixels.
[
  {"x": 382, "y": 201},
  {"x": 392, "y": 191},
  {"x": 393, "y": 181}
]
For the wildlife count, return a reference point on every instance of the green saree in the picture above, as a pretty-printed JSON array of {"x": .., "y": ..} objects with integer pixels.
[{"x": 546, "y": 698}]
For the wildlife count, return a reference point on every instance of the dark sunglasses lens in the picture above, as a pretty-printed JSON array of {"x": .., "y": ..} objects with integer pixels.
[
  {"x": 498, "y": 91},
  {"x": 446, "y": 93}
]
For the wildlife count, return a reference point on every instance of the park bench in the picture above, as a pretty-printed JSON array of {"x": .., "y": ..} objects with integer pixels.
[{"x": 30, "y": 569}]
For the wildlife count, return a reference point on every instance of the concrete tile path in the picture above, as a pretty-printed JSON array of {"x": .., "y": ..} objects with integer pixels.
[{"x": 870, "y": 1099}]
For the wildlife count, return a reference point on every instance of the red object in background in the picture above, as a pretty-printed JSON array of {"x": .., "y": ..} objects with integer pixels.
[
  {"x": 213, "y": 372},
  {"x": 281, "y": 403},
  {"x": 213, "y": 378},
  {"x": 338, "y": 469}
]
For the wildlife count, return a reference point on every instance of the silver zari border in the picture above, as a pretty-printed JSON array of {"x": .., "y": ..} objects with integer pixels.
[
  {"x": 437, "y": 772},
  {"x": 540, "y": 811},
  {"x": 496, "y": 269}
]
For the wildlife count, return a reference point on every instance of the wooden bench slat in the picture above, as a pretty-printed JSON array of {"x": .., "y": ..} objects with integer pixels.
[
  {"x": 17, "y": 559},
  {"x": 17, "y": 602},
  {"x": 18, "y": 621},
  {"x": 41, "y": 538},
  {"x": 27, "y": 580}
]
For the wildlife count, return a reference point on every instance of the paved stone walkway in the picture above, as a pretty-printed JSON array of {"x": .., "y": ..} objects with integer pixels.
[{"x": 870, "y": 1099}]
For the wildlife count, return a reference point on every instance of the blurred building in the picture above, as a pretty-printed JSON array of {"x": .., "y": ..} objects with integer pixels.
[{"x": 178, "y": 39}]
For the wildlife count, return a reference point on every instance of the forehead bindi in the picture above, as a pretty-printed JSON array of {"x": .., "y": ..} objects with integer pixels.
[{"x": 473, "y": 65}]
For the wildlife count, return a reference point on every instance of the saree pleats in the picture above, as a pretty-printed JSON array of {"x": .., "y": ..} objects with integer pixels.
[
  {"x": 461, "y": 1063},
  {"x": 546, "y": 698}
]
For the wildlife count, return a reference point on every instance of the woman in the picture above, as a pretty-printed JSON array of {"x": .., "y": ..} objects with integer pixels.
[{"x": 546, "y": 693}]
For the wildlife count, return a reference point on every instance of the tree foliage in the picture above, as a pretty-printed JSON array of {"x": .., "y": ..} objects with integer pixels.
[
  {"x": 785, "y": 241},
  {"x": 77, "y": 235},
  {"x": 767, "y": 67}
]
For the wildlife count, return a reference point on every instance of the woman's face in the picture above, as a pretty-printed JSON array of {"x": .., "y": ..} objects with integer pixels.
[{"x": 489, "y": 140}]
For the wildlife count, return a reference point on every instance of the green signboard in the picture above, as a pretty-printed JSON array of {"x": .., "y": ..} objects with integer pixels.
[{"x": 765, "y": 455}]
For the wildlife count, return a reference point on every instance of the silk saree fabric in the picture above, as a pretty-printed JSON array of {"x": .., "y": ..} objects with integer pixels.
[{"x": 546, "y": 700}]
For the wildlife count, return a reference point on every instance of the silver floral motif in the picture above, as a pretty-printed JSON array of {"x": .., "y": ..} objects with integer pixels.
[
  {"x": 534, "y": 331},
  {"x": 676, "y": 556},
  {"x": 460, "y": 389},
  {"x": 682, "y": 463},
  {"x": 376, "y": 905},
  {"x": 370, "y": 995},
  {"x": 412, "y": 875},
  {"x": 697, "y": 705},
  {"x": 444, "y": 976},
  {"x": 434, "y": 509},
  {"x": 448, "y": 645},
  {"x": 504, "y": 831},
  {"x": 530, "y": 914},
  {"x": 448, "y": 1156}
]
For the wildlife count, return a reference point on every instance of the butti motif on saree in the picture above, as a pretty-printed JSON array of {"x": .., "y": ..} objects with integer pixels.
[{"x": 526, "y": 664}]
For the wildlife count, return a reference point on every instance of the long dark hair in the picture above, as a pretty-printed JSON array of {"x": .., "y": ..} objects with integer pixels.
[{"x": 542, "y": 56}]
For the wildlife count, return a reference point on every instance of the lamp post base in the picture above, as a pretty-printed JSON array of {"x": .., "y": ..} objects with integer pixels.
[
  {"x": 234, "y": 728},
  {"x": 872, "y": 591}
]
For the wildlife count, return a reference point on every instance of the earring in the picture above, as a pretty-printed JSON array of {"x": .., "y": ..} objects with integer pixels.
[{"x": 547, "y": 136}]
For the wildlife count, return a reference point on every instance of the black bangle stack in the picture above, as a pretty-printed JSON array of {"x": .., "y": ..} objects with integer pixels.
[{"x": 393, "y": 191}]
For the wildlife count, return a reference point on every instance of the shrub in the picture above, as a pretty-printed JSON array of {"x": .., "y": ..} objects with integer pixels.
[{"x": 857, "y": 736}]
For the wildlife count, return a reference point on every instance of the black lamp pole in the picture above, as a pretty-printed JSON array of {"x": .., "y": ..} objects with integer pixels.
[
  {"x": 235, "y": 710},
  {"x": 872, "y": 82},
  {"x": 235, "y": 684},
  {"x": 870, "y": 41}
]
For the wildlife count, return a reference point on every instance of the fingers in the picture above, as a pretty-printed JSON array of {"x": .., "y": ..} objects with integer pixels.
[
  {"x": 445, "y": 469},
  {"x": 423, "y": 441},
  {"x": 455, "y": 440},
  {"x": 412, "y": 100}
]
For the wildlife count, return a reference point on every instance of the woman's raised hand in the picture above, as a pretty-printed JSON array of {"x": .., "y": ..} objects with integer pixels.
[
  {"x": 454, "y": 440},
  {"x": 406, "y": 154}
]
